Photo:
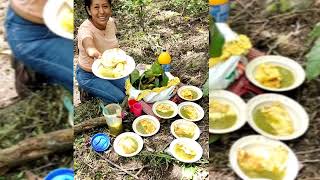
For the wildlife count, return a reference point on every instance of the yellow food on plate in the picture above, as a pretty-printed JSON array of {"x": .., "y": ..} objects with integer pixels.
[
  {"x": 66, "y": 19},
  {"x": 146, "y": 126},
  {"x": 128, "y": 145},
  {"x": 188, "y": 94},
  {"x": 164, "y": 109},
  {"x": 184, "y": 151},
  {"x": 189, "y": 112},
  {"x": 221, "y": 115},
  {"x": 274, "y": 119},
  {"x": 263, "y": 162},
  {"x": 268, "y": 75},
  {"x": 112, "y": 71},
  {"x": 184, "y": 130}
]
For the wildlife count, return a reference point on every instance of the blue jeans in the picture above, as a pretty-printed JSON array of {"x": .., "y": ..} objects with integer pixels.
[
  {"x": 40, "y": 49},
  {"x": 109, "y": 91}
]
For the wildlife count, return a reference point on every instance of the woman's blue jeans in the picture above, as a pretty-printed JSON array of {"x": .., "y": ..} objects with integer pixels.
[
  {"x": 40, "y": 49},
  {"x": 108, "y": 91}
]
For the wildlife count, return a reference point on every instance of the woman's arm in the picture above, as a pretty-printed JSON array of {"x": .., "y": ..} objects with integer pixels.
[{"x": 90, "y": 48}]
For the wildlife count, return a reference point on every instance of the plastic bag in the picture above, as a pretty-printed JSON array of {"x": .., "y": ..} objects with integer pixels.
[{"x": 153, "y": 95}]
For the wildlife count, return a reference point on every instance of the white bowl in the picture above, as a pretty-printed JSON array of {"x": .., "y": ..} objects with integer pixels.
[
  {"x": 293, "y": 66},
  {"x": 194, "y": 88},
  {"x": 199, "y": 110},
  {"x": 133, "y": 135},
  {"x": 182, "y": 121},
  {"x": 190, "y": 143},
  {"x": 236, "y": 103},
  {"x": 128, "y": 68},
  {"x": 153, "y": 119},
  {"x": 297, "y": 113},
  {"x": 51, "y": 16},
  {"x": 171, "y": 103},
  {"x": 257, "y": 141}
]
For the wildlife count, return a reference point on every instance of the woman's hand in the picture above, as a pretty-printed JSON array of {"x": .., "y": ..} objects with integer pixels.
[
  {"x": 94, "y": 53},
  {"x": 91, "y": 50}
]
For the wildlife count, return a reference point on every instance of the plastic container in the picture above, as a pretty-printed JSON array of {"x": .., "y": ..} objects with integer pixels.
[
  {"x": 219, "y": 9},
  {"x": 137, "y": 109},
  {"x": 100, "y": 142},
  {"x": 113, "y": 118},
  {"x": 60, "y": 174}
]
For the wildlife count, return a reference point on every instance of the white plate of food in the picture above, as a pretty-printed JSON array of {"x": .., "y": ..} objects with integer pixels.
[
  {"x": 128, "y": 144},
  {"x": 277, "y": 117},
  {"x": 275, "y": 73},
  {"x": 185, "y": 129},
  {"x": 114, "y": 64},
  {"x": 190, "y": 111},
  {"x": 146, "y": 125},
  {"x": 190, "y": 93},
  {"x": 257, "y": 157},
  {"x": 58, "y": 17},
  {"x": 186, "y": 150},
  {"x": 165, "y": 109},
  {"x": 227, "y": 112}
]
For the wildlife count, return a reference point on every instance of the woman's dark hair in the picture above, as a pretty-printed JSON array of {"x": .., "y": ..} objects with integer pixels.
[{"x": 87, "y": 3}]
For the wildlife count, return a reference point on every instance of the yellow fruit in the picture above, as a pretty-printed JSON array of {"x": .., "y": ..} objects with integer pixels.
[
  {"x": 106, "y": 72},
  {"x": 164, "y": 58},
  {"x": 217, "y": 2}
]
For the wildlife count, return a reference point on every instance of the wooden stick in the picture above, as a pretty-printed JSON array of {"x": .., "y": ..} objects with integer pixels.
[
  {"x": 117, "y": 166},
  {"x": 89, "y": 124},
  {"x": 34, "y": 148}
]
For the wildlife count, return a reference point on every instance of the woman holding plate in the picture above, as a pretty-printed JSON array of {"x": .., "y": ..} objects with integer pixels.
[
  {"x": 35, "y": 45},
  {"x": 96, "y": 35}
]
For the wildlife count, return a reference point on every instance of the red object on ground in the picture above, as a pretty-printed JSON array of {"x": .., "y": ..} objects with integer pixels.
[
  {"x": 242, "y": 85},
  {"x": 131, "y": 102},
  {"x": 137, "y": 109}
]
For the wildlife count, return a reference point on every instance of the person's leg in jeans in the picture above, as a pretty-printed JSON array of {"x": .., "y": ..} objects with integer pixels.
[
  {"x": 40, "y": 49},
  {"x": 98, "y": 87}
]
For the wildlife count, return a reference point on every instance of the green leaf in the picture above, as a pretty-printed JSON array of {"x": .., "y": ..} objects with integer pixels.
[
  {"x": 157, "y": 82},
  {"x": 313, "y": 62},
  {"x": 214, "y": 138},
  {"x": 134, "y": 76},
  {"x": 205, "y": 88},
  {"x": 216, "y": 39},
  {"x": 165, "y": 80},
  {"x": 315, "y": 33}
]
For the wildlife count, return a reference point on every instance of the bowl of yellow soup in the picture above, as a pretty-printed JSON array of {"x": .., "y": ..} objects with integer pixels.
[
  {"x": 128, "y": 144},
  {"x": 190, "y": 111},
  {"x": 275, "y": 73},
  {"x": 257, "y": 157},
  {"x": 186, "y": 150},
  {"x": 58, "y": 17},
  {"x": 165, "y": 109},
  {"x": 227, "y": 112},
  {"x": 190, "y": 93},
  {"x": 146, "y": 125},
  {"x": 185, "y": 129},
  {"x": 277, "y": 117}
]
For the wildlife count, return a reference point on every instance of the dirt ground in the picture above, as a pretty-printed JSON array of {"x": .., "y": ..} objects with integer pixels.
[
  {"x": 41, "y": 112},
  {"x": 186, "y": 38},
  {"x": 284, "y": 34}
]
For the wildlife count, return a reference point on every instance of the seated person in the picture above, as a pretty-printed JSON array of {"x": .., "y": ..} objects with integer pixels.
[
  {"x": 95, "y": 35},
  {"x": 35, "y": 45}
]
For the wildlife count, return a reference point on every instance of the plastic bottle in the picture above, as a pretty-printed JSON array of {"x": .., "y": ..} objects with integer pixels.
[
  {"x": 219, "y": 9},
  {"x": 165, "y": 59}
]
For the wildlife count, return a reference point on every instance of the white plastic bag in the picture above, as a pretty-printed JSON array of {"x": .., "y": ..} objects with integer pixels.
[
  {"x": 223, "y": 74},
  {"x": 152, "y": 97}
]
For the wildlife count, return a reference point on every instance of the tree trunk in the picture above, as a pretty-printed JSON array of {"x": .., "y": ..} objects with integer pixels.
[
  {"x": 89, "y": 124},
  {"x": 35, "y": 147}
]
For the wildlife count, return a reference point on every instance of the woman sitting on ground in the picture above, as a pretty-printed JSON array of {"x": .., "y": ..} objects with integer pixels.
[
  {"x": 35, "y": 46},
  {"x": 95, "y": 35}
]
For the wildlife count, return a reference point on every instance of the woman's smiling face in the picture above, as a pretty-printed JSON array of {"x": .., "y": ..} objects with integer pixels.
[{"x": 100, "y": 11}]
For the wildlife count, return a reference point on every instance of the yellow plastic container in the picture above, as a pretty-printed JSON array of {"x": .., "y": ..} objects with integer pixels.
[{"x": 217, "y": 2}]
